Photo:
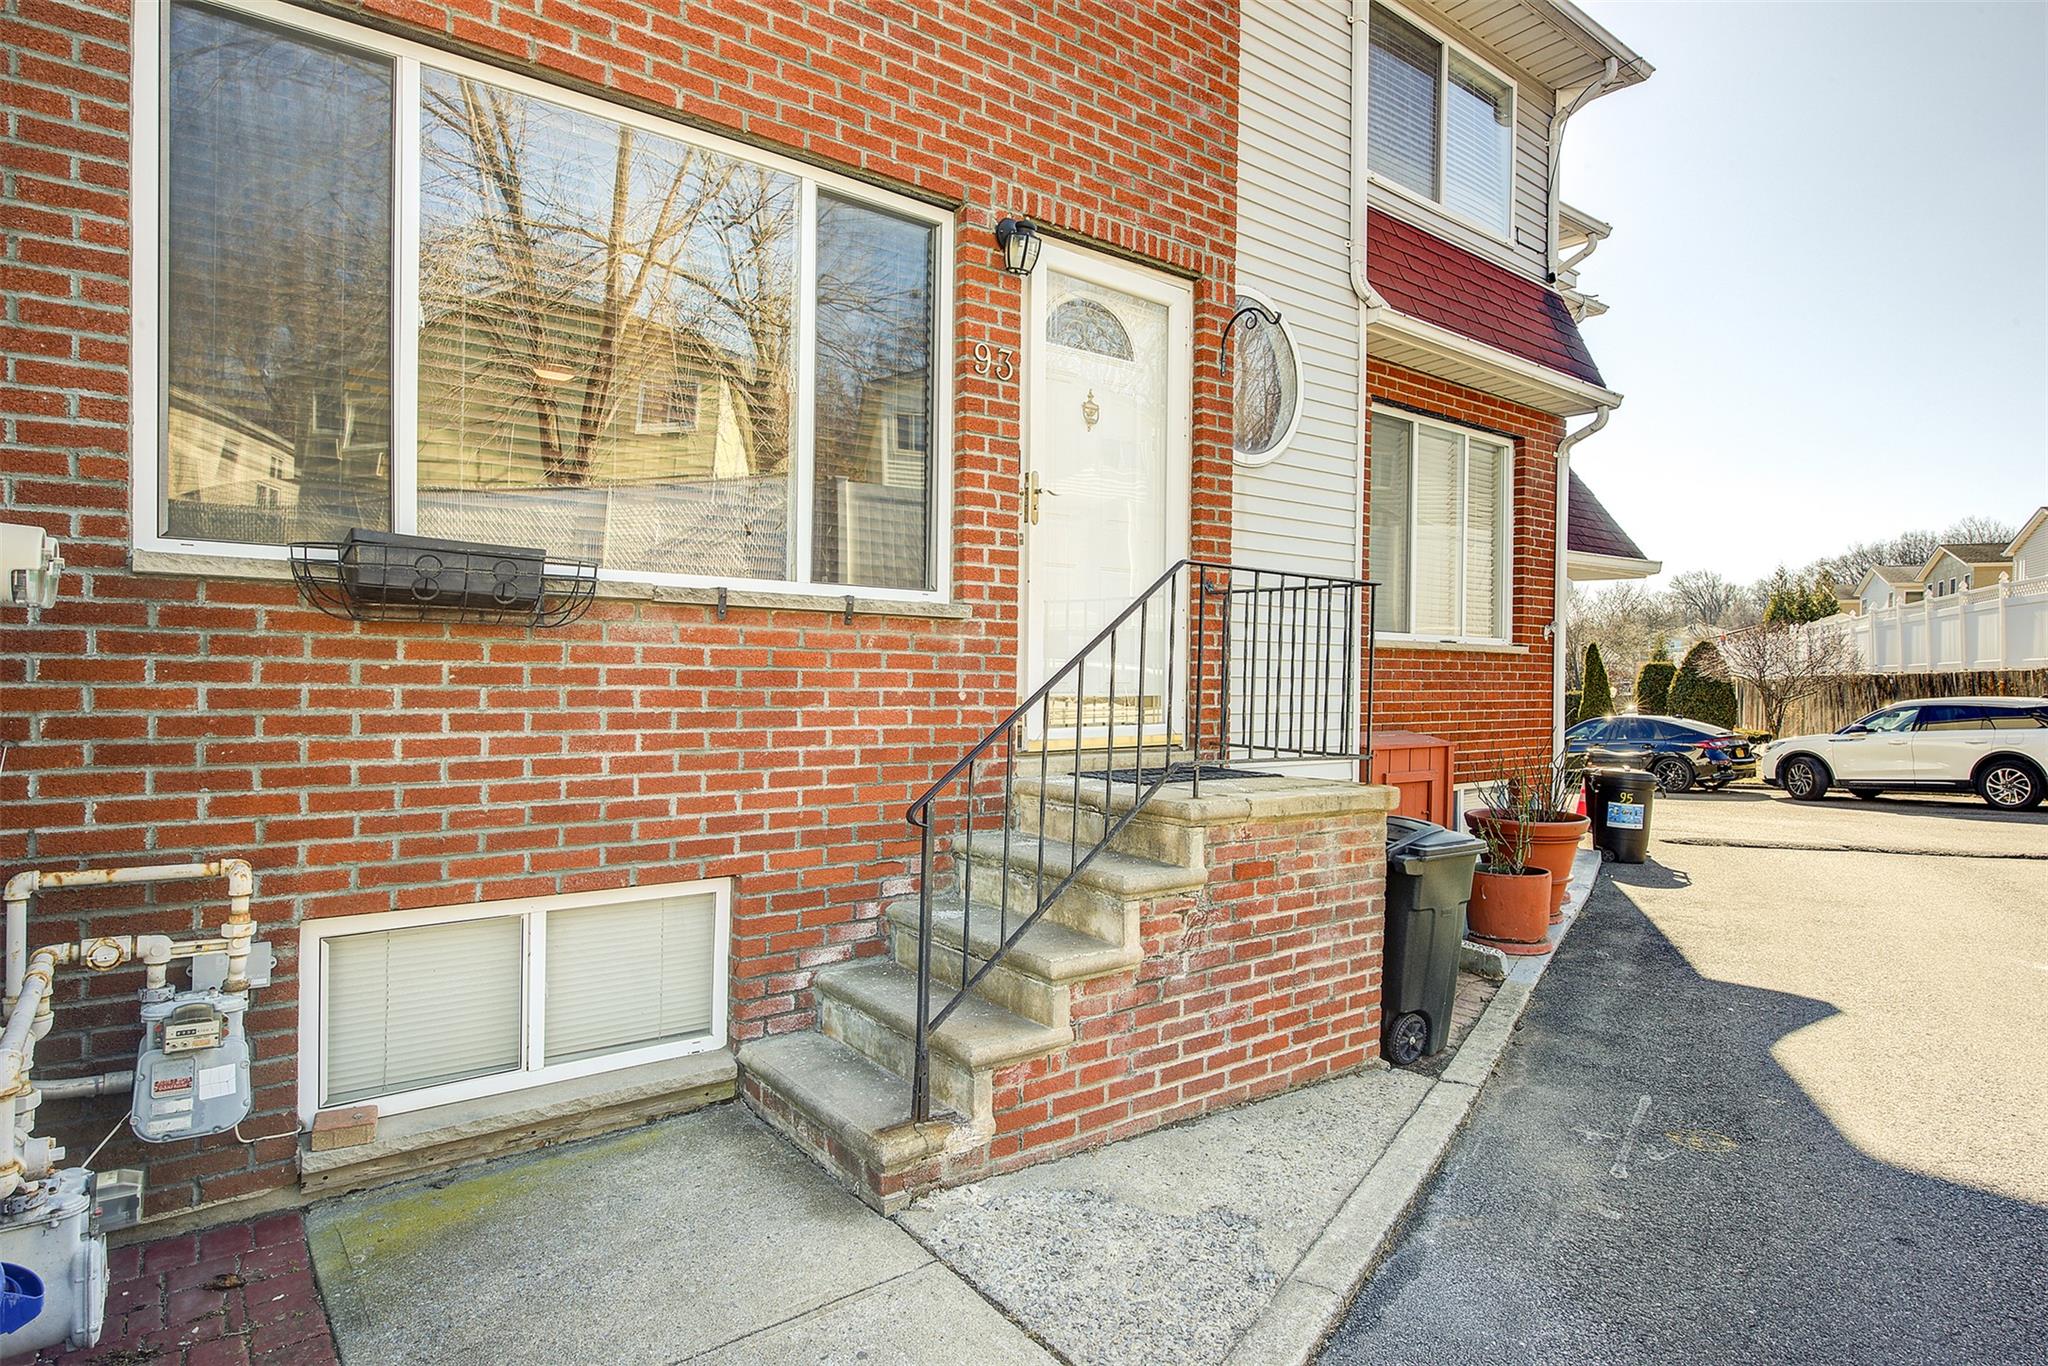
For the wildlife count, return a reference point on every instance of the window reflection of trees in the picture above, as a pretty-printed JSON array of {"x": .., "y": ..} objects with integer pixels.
[{"x": 576, "y": 250}]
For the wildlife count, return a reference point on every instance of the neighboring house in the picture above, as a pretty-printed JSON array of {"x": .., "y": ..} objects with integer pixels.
[
  {"x": 741, "y": 332},
  {"x": 1885, "y": 585},
  {"x": 1957, "y": 568},
  {"x": 1398, "y": 208},
  {"x": 1597, "y": 548},
  {"x": 2028, "y": 551},
  {"x": 1971, "y": 607}
]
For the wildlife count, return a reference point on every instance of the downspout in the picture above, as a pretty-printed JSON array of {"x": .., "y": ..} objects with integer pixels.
[
  {"x": 1370, "y": 306},
  {"x": 1587, "y": 94},
  {"x": 1561, "y": 599},
  {"x": 1361, "y": 176}
]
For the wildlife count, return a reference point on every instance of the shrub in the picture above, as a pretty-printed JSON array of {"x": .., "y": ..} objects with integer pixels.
[
  {"x": 1571, "y": 708},
  {"x": 1700, "y": 667},
  {"x": 1653, "y": 687},
  {"x": 1596, "y": 698}
]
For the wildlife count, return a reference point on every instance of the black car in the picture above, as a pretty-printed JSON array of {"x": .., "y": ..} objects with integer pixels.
[{"x": 1685, "y": 753}]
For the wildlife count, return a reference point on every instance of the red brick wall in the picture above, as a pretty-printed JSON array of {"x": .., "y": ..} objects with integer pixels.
[
  {"x": 375, "y": 767},
  {"x": 1267, "y": 979},
  {"x": 1493, "y": 706}
]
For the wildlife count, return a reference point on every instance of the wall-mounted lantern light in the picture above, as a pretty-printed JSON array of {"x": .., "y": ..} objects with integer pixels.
[{"x": 1020, "y": 244}]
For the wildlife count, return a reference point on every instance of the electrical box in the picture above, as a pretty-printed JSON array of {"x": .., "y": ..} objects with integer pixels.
[
  {"x": 50, "y": 1229},
  {"x": 192, "y": 1075},
  {"x": 30, "y": 566}
]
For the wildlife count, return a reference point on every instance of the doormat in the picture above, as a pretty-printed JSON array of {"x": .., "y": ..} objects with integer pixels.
[{"x": 1175, "y": 773}]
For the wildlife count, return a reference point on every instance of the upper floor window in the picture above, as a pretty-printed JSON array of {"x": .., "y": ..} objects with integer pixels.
[
  {"x": 1440, "y": 124},
  {"x": 1441, "y": 522},
  {"x": 447, "y": 300}
]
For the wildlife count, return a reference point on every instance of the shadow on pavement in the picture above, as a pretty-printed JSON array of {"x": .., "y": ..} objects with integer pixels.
[
  {"x": 1946, "y": 805},
  {"x": 1643, "y": 1183}
]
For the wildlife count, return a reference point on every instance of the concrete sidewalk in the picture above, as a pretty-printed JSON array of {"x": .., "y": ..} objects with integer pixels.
[{"x": 1239, "y": 1236}]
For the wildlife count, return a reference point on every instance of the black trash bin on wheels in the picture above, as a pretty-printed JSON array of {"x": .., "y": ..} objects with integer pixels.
[
  {"x": 1429, "y": 883},
  {"x": 1619, "y": 794}
]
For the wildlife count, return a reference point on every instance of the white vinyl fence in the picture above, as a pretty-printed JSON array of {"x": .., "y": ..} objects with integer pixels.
[{"x": 2004, "y": 626}]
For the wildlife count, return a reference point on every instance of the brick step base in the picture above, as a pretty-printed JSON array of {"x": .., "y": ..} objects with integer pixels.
[{"x": 1221, "y": 948}]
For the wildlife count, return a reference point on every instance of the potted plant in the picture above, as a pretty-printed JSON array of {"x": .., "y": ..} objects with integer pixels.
[
  {"x": 1539, "y": 794},
  {"x": 1510, "y": 907}
]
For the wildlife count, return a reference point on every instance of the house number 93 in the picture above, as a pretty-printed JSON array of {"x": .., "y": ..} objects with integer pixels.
[{"x": 999, "y": 361}]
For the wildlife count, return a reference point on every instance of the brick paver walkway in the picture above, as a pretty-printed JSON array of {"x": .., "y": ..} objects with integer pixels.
[{"x": 236, "y": 1296}]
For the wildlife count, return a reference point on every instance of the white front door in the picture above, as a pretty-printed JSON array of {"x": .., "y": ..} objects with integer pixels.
[{"x": 1109, "y": 367}]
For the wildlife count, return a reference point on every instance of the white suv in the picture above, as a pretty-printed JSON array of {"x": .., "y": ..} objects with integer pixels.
[{"x": 1994, "y": 746}]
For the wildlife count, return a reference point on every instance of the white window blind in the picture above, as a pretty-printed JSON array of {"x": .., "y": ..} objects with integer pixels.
[
  {"x": 413, "y": 1008},
  {"x": 1479, "y": 147},
  {"x": 1401, "y": 102},
  {"x": 1485, "y": 493},
  {"x": 1392, "y": 447},
  {"x": 1438, "y": 585},
  {"x": 623, "y": 977},
  {"x": 1442, "y": 516}
]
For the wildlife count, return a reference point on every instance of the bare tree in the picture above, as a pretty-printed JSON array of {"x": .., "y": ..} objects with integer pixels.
[
  {"x": 1783, "y": 662},
  {"x": 1700, "y": 597}
]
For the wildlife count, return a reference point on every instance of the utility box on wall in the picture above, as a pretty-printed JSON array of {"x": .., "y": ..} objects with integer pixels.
[{"x": 1417, "y": 766}]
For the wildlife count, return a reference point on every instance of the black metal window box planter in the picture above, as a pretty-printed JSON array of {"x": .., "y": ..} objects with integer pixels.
[{"x": 386, "y": 576}]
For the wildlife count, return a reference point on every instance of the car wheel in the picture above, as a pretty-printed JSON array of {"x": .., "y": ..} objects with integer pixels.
[
  {"x": 1805, "y": 779},
  {"x": 1407, "y": 1039},
  {"x": 2010, "y": 785},
  {"x": 1674, "y": 775},
  {"x": 1868, "y": 794}
]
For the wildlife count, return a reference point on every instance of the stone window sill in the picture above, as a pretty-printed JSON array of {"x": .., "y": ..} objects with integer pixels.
[{"x": 421, "y": 1141}]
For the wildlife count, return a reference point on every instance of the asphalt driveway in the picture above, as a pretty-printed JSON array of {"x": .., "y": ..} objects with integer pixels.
[{"x": 1780, "y": 1098}]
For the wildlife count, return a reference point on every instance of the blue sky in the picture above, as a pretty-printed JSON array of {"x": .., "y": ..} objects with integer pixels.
[{"x": 1828, "y": 274}]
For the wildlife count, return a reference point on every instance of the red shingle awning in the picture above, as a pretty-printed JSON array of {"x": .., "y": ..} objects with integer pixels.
[
  {"x": 1426, "y": 278},
  {"x": 1591, "y": 529}
]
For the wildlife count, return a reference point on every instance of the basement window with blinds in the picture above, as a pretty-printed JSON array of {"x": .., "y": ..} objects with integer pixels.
[
  {"x": 427, "y": 1008},
  {"x": 405, "y": 291},
  {"x": 1441, "y": 528}
]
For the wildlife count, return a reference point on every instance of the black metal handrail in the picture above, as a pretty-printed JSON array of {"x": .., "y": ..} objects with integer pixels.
[{"x": 1268, "y": 669}]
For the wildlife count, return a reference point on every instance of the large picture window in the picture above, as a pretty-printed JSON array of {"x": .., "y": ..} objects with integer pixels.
[
  {"x": 400, "y": 291},
  {"x": 414, "y": 1009},
  {"x": 1441, "y": 528},
  {"x": 1440, "y": 123}
]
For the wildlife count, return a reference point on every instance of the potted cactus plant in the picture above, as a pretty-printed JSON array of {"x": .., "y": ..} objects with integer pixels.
[
  {"x": 1510, "y": 907},
  {"x": 1540, "y": 795}
]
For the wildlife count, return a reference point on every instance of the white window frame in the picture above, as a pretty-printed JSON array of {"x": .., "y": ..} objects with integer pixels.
[
  {"x": 533, "y": 1069},
  {"x": 1254, "y": 460},
  {"x": 1446, "y": 45},
  {"x": 148, "y": 128},
  {"x": 1504, "y": 556}
]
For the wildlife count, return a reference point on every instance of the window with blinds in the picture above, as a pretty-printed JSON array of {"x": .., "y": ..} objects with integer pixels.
[
  {"x": 1441, "y": 523},
  {"x": 427, "y": 1014},
  {"x": 1440, "y": 124},
  {"x": 601, "y": 323}
]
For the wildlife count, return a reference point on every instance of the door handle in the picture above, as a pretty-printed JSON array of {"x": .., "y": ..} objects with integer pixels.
[{"x": 1032, "y": 490}]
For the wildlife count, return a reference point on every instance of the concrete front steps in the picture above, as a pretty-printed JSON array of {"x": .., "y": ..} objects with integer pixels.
[{"x": 842, "y": 1090}]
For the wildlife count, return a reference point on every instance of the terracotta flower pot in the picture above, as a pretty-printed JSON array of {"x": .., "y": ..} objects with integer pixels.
[
  {"x": 1510, "y": 911},
  {"x": 1552, "y": 846}
]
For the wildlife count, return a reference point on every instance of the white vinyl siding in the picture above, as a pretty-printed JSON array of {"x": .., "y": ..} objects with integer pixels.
[
  {"x": 1524, "y": 243},
  {"x": 1442, "y": 525},
  {"x": 2030, "y": 557},
  {"x": 411, "y": 1009},
  {"x": 1300, "y": 510}
]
